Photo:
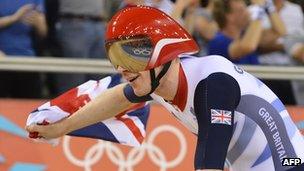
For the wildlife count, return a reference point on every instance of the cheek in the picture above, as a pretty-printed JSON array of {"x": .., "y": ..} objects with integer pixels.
[
  {"x": 142, "y": 82},
  {"x": 141, "y": 86}
]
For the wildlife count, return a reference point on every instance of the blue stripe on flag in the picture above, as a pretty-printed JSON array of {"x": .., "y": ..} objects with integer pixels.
[
  {"x": 115, "y": 80},
  {"x": 101, "y": 131},
  {"x": 142, "y": 114},
  {"x": 97, "y": 131}
]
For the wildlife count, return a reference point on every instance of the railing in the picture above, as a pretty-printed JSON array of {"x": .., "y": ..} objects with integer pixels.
[{"x": 70, "y": 65}]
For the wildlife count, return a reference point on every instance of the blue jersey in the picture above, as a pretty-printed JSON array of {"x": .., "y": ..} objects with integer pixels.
[
  {"x": 219, "y": 45},
  {"x": 16, "y": 39},
  {"x": 236, "y": 117}
]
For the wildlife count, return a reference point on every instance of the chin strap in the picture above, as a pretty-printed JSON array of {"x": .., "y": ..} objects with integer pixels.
[
  {"x": 132, "y": 97},
  {"x": 155, "y": 80}
]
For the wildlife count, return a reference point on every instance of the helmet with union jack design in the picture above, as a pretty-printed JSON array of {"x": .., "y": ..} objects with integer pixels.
[{"x": 140, "y": 38}]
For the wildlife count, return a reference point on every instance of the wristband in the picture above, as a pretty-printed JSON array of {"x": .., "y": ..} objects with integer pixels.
[
  {"x": 257, "y": 12},
  {"x": 132, "y": 97},
  {"x": 269, "y": 7}
]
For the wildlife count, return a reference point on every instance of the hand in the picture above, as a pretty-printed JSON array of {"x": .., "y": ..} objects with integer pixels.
[
  {"x": 22, "y": 11},
  {"x": 33, "y": 18},
  {"x": 50, "y": 131}
]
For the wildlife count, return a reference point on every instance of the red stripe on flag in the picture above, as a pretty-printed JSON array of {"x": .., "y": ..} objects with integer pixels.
[
  {"x": 133, "y": 128},
  {"x": 70, "y": 102},
  {"x": 131, "y": 109}
]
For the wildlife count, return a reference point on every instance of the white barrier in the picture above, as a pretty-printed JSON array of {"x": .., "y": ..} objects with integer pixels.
[{"x": 76, "y": 65}]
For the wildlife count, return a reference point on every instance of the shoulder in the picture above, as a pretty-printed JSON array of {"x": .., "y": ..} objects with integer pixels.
[
  {"x": 216, "y": 59},
  {"x": 292, "y": 8},
  {"x": 292, "y": 5},
  {"x": 201, "y": 67},
  {"x": 222, "y": 84}
]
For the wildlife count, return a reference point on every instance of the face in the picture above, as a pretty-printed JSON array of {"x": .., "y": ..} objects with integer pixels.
[
  {"x": 140, "y": 81},
  {"x": 239, "y": 14}
]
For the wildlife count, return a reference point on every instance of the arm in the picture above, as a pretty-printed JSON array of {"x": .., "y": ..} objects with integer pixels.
[
  {"x": 277, "y": 24},
  {"x": 206, "y": 28},
  {"x": 269, "y": 42},
  {"x": 248, "y": 43},
  {"x": 110, "y": 103},
  {"x": 219, "y": 93},
  {"x": 9, "y": 20},
  {"x": 38, "y": 21}
]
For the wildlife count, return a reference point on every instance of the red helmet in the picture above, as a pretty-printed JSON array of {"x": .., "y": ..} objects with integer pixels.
[{"x": 140, "y": 38}]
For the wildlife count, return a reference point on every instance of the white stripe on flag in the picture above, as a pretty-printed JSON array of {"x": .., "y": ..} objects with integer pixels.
[
  {"x": 94, "y": 88},
  {"x": 138, "y": 124},
  {"x": 121, "y": 132}
]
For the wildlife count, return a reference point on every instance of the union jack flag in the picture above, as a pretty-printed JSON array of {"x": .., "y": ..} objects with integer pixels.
[
  {"x": 220, "y": 117},
  {"x": 128, "y": 127}
]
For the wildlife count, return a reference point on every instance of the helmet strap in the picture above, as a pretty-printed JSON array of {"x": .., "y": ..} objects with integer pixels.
[{"x": 155, "y": 80}]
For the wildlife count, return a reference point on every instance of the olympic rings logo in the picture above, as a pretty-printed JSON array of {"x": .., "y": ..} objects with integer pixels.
[
  {"x": 142, "y": 51},
  {"x": 136, "y": 154}
]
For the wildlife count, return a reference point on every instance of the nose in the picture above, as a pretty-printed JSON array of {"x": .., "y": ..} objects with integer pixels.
[{"x": 121, "y": 69}]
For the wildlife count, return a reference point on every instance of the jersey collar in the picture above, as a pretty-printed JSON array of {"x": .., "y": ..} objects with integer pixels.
[{"x": 180, "y": 98}]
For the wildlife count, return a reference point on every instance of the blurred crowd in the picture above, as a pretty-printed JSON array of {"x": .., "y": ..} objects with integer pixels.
[{"x": 254, "y": 32}]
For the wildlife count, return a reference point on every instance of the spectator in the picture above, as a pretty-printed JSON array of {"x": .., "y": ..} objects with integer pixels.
[
  {"x": 199, "y": 22},
  {"x": 239, "y": 35},
  {"x": 80, "y": 33},
  {"x": 18, "y": 20},
  {"x": 284, "y": 48},
  {"x": 233, "y": 18},
  {"x": 292, "y": 16}
]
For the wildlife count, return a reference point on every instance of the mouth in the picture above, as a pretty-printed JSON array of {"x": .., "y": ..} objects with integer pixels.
[{"x": 133, "y": 79}]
